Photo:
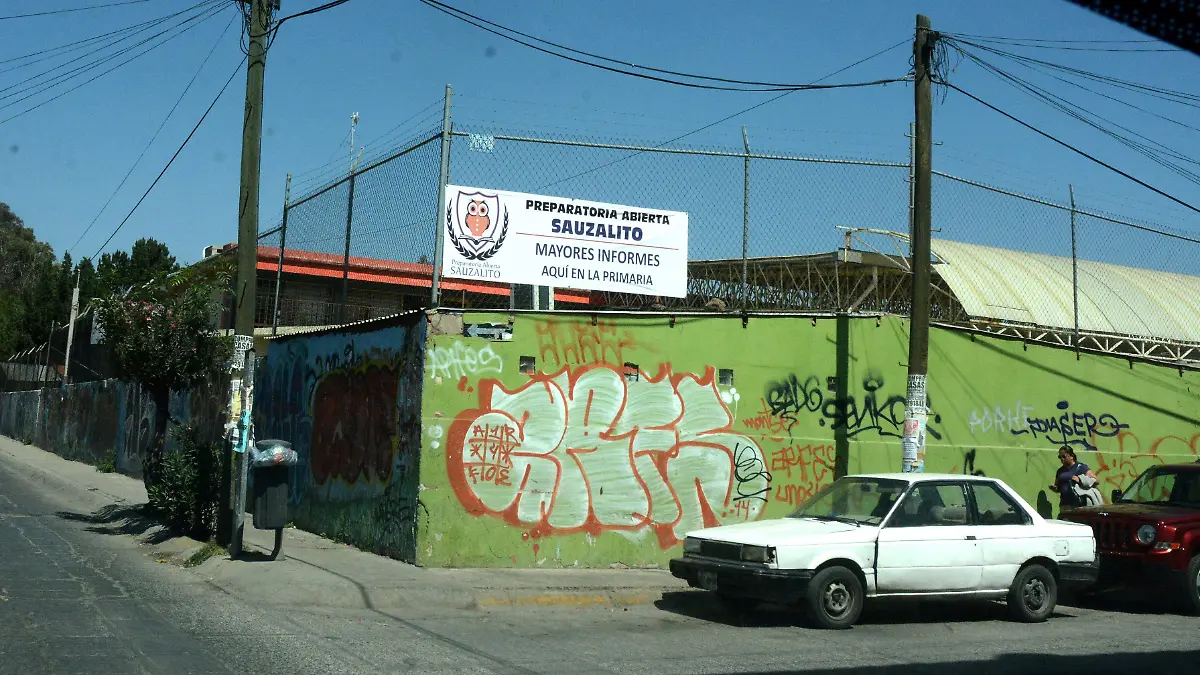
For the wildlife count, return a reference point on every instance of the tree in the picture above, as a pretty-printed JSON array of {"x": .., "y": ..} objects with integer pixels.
[
  {"x": 166, "y": 342},
  {"x": 149, "y": 262}
]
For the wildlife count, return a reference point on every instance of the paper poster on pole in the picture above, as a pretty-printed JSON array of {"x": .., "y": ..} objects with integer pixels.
[{"x": 517, "y": 238}]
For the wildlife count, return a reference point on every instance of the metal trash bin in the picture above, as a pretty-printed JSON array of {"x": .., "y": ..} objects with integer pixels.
[{"x": 271, "y": 461}]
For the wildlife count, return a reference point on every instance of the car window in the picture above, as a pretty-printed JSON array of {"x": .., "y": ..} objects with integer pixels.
[
  {"x": 993, "y": 507},
  {"x": 932, "y": 505},
  {"x": 1155, "y": 487}
]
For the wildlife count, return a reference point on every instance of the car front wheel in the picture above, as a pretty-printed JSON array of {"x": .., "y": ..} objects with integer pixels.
[
  {"x": 1033, "y": 595},
  {"x": 1193, "y": 585},
  {"x": 835, "y": 598}
]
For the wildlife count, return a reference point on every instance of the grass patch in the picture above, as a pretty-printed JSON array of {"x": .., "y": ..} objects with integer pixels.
[
  {"x": 108, "y": 464},
  {"x": 210, "y": 549}
]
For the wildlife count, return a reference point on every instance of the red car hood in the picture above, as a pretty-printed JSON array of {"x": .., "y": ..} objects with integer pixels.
[{"x": 1155, "y": 513}]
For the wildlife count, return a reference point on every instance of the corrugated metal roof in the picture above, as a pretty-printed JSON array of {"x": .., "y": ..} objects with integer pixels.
[{"x": 1034, "y": 288}]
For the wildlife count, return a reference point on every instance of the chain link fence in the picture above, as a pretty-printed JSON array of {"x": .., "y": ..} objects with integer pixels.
[{"x": 767, "y": 232}]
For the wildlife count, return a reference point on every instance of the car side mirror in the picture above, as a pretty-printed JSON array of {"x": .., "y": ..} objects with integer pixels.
[{"x": 1116, "y": 495}]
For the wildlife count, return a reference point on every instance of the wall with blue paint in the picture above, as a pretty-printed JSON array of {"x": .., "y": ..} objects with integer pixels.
[
  {"x": 349, "y": 402},
  {"x": 104, "y": 421}
]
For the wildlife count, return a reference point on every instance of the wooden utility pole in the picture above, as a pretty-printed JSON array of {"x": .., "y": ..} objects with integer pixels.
[
  {"x": 916, "y": 402},
  {"x": 245, "y": 291}
]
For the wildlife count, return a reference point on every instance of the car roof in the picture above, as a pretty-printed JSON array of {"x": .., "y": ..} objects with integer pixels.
[{"x": 923, "y": 477}]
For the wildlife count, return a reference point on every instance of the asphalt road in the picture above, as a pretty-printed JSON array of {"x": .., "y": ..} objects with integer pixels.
[{"x": 78, "y": 597}]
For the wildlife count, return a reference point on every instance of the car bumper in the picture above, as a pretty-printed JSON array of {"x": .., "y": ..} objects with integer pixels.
[
  {"x": 1139, "y": 571},
  {"x": 1076, "y": 575},
  {"x": 743, "y": 580}
]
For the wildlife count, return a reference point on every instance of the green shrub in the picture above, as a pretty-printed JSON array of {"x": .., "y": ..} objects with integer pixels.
[
  {"x": 108, "y": 464},
  {"x": 187, "y": 495}
]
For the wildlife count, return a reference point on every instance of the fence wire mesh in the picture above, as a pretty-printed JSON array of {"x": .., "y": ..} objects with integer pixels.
[{"x": 767, "y": 232}]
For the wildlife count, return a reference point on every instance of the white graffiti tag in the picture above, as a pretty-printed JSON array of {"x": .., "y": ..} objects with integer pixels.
[
  {"x": 461, "y": 360},
  {"x": 999, "y": 420}
]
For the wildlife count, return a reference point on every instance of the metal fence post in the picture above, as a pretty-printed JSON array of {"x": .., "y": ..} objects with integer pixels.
[
  {"x": 746, "y": 224},
  {"x": 287, "y": 195},
  {"x": 444, "y": 178},
  {"x": 1074, "y": 273},
  {"x": 346, "y": 259}
]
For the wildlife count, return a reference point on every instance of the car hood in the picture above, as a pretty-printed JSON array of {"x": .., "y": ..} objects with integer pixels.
[
  {"x": 1142, "y": 512},
  {"x": 788, "y": 532}
]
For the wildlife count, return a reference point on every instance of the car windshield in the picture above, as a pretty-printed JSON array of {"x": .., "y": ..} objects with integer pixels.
[
  {"x": 857, "y": 500},
  {"x": 1160, "y": 485}
]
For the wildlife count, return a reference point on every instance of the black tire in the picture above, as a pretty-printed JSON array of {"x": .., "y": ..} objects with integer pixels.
[
  {"x": 834, "y": 598},
  {"x": 1192, "y": 586},
  {"x": 1033, "y": 594},
  {"x": 733, "y": 603}
]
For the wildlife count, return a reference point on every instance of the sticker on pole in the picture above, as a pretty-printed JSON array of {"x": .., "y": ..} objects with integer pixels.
[
  {"x": 241, "y": 345},
  {"x": 517, "y": 238}
]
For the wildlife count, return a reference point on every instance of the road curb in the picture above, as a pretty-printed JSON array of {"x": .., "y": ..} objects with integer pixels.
[{"x": 580, "y": 598}]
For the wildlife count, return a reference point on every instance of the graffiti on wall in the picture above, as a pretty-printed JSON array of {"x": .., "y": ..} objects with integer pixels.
[
  {"x": 872, "y": 410},
  {"x": 1000, "y": 419},
  {"x": 458, "y": 360},
  {"x": 578, "y": 344},
  {"x": 802, "y": 470},
  {"x": 1072, "y": 427},
  {"x": 588, "y": 450},
  {"x": 349, "y": 402}
]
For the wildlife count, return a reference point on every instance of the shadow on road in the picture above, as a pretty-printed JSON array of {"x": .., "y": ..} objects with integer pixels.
[
  {"x": 1024, "y": 664},
  {"x": 706, "y": 607},
  {"x": 136, "y": 520}
]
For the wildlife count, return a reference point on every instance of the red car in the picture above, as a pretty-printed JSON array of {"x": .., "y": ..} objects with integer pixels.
[{"x": 1150, "y": 534}]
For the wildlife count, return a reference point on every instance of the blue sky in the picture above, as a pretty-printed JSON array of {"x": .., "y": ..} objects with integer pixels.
[{"x": 390, "y": 59}]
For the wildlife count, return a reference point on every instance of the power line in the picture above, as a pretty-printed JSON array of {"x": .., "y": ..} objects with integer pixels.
[
  {"x": 155, "y": 136},
  {"x": 1070, "y": 147},
  {"x": 210, "y": 15},
  {"x": 171, "y": 161},
  {"x": 759, "y": 86},
  {"x": 79, "y": 44},
  {"x": 1083, "y": 115},
  {"x": 728, "y": 117},
  {"x": 75, "y": 9},
  {"x": 1068, "y": 45},
  {"x": 99, "y": 49}
]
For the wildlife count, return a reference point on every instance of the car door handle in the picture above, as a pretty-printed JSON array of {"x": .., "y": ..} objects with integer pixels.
[{"x": 970, "y": 537}]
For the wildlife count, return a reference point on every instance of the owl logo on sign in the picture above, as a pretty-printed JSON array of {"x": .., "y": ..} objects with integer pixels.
[{"x": 475, "y": 225}]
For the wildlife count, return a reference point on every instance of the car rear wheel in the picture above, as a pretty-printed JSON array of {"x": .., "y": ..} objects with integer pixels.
[
  {"x": 835, "y": 598},
  {"x": 1033, "y": 595},
  {"x": 1193, "y": 585}
]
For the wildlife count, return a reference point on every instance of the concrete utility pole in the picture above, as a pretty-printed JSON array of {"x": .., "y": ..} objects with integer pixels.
[
  {"x": 440, "y": 220},
  {"x": 915, "y": 410},
  {"x": 71, "y": 330},
  {"x": 245, "y": 292}
]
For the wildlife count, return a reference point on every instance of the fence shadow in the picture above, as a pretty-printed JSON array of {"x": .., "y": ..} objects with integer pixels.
[
  {"x": 706, "y": 607},
  {"x": 1182, "y": 661},
  {"x": 131, "y": 519}
]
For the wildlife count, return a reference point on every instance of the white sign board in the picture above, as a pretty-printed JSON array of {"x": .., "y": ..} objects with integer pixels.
[{"x": 518, "y": 238}]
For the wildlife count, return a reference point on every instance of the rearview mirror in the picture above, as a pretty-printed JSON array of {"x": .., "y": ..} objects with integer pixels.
[{"x": 1116, "y": 495}]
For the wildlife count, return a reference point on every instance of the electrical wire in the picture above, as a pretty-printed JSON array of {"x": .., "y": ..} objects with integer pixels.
[
  {"x": 203, "y": 18},
  {"x": 46, "y": 54},
  {"x": 727, "y": 117},
  {"x": 758, "y": 87},
  {"x": 1087, "y": 117},
  {"x": 212, "y": 5},
  {"x": 1181, "y": 97},
  {"x": 171, "y": 161},
  {"x": 74, "y": 9},
  {"x": 1072, "y": 148},
  {"x": 155, "y": 136},
  {"x": 1066, "y": 45}
]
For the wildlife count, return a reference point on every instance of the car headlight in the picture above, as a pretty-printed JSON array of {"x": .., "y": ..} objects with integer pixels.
[
  {"x": 758, "y": 554},
  {"x": 691, "y": 545},
  {"x": 1145, "y": 535}
]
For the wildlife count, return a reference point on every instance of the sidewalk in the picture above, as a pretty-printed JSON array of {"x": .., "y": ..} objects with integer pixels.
[{"x": 313, "y": 571}]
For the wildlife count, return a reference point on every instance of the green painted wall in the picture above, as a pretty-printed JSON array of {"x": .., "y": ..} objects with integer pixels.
[{"x": 625, "y": 435}]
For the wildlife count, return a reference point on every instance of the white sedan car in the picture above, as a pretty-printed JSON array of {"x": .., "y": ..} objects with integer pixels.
[{"x": 908, "y": 535}]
